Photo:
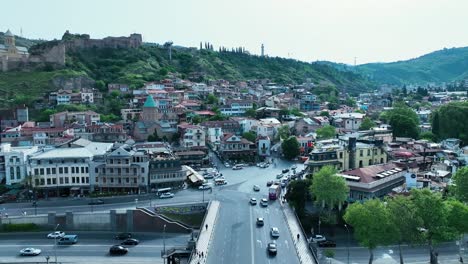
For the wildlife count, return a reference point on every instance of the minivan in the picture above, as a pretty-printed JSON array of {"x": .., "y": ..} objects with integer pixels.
[{"x": 68, "y": 240}]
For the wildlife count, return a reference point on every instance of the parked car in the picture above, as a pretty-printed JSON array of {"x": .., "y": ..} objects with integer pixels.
[
  {"x": 269, "y": 183},
  {"x": 264, "y": 202},
  {"x": 260, "y": 221},
  {"x": 122, "y": 236},
  {"x": 272, "y": 249},
  {"x": 253, "y": 201},
  {"x": 285, "y": 171},
  {"x": 279, "y": 176},
  {"x": 30, "y": 252},
  {"x": 96, "y": 202},
  {"x": 274, "y": 232},
  {"x": 166, "y": 195},
  {"x": 318, "y": 238},
  {"x": 56, "y": 234},
  {"x": 118, "y": 250},
  {"x": 130, "y": 241},
  {"x": 256, "y": 188},
  {"x": 327, "y": 243},
  {"x": 227, "y": 165}
]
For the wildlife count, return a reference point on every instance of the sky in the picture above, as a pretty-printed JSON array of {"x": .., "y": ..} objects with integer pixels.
[{"x": 342, "y": 31}]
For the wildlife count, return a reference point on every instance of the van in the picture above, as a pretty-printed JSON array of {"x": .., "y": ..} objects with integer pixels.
[{"x": 68, "y": 240}]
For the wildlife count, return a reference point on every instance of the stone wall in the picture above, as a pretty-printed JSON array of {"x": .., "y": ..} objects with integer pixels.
[{"x": 73, "y": 83}]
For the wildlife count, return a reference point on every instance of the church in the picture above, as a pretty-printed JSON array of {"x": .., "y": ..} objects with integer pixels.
[{"x": 10, "y": 50}]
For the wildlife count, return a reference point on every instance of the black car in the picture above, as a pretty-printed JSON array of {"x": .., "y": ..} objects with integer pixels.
[
  {"x": 260, "y": 221},
  {"x": 130, "y": 241},
  {"x": 118, "y": 250},
  {"x": 272, "y": 249},
  {"x": 123, "y": 236},
  {"x": 285, "y": 171},
  {"x": 327, "y": 243},
  {"x": 96, "y": 202}
]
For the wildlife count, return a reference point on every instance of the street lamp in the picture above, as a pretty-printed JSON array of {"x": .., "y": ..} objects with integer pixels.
[
  {"x": 55, "y": 243},
  {"x": 164, "y": 243},
  {"x": 136, "y": 202},
  {"x": 347, "y": 245}
]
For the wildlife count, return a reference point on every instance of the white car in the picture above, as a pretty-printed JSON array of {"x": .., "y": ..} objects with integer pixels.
[
  {"x": 166, "y": 195},
  {"x": 227, "y": 165},
  {"x": 30, "y": 252},
  {"x": 253, "y": 201},
  {"x": 56, "y": 234},
  {"x": 204, "y": 187},
  {"x": 264, "y": 202},
  {"x": 274, "y": 232},
  {"x": 318, "y": 238}
]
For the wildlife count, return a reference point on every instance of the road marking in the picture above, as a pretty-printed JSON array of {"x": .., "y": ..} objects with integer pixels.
[
  {"x": 252, "y": 255},
  {"x": 259, "y": 242},
  {"x": 286, "y": 243}
]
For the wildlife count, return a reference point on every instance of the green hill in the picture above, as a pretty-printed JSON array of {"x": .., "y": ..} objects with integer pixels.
[
  {"x": 150, "y": 63},
  {"x": 440, "y": 66}
]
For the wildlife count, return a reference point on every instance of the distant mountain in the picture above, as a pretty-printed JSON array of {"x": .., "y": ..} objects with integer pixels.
[{"x": 440, "y": 66}]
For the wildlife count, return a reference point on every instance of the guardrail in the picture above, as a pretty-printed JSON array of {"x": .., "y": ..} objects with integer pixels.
[{"x": 307, "y": 238}]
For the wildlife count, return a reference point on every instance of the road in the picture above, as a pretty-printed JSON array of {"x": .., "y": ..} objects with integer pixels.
[
  {"x": 92, "y": 247},
  {"x": 237, "y": 239}
]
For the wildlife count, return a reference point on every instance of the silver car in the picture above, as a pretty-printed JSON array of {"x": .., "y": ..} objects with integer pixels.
[{"x": 30, "y": 252}]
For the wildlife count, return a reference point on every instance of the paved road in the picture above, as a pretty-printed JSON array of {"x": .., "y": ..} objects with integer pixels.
[
  {"x": 91, "y": 248},
  {"x": 237, "y": 238}
]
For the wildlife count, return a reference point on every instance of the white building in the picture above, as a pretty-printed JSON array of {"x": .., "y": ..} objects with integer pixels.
[
  {"x": 214, "y": 136},
  {"x": 349, "y": 121},
  {"x": 264, "y": 146},
  {"x": 14, "y": 163},
  {"x": 192, "y": 136},
  {"x": 268, "y": 127}
]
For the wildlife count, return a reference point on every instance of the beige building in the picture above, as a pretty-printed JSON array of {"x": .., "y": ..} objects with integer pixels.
[{"x": 10, "y": 50}]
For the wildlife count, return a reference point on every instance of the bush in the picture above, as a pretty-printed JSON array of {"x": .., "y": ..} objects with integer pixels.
[{"x": 20, "y": 227}]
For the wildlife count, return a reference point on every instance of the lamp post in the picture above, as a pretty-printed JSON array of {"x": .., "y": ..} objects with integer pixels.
[
  {"x": 55, "y": 243},
  {"x": 35, "y": 207},
  {"x": 164, "y": 243},
  {"x": 136, "y": 202},
  {"x": 347, "y": 245}
]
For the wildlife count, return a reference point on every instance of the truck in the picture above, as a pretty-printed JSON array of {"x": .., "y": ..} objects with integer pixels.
[{"x": 274, "y": 191}]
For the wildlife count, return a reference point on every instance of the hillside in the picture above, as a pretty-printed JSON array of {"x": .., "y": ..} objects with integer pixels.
[
  {"x": 440, "y": 66},
  {"x": 20, "y": 41},
  {"x": 151, "y": 63}
]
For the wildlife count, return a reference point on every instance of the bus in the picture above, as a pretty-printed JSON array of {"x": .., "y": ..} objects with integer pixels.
[
  {"x": 163, "y": 190},
  {"x": 274, "y": 192}
]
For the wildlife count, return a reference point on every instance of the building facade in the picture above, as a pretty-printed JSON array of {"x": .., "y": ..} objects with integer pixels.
[{"x": 165, "y": 170}]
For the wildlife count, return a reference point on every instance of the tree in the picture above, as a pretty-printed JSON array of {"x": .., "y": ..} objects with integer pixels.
[
  {"x": 154, "y": 137},
  {"x": 297, "y": 195},
  {"x": 328, "y": 188},
  {"x": 460, "y": 186},
  {"x": 458, "y": 219},
  {"x": 291, "y": 148},
  {"x": 428, "y": 136},
  {"x": 350, "y": 102},
  {"x": 284, "y": 132},
  {"x": 371, "y": 223},
  {"x": 251, "y": 113},
  {"x": 404, "y": 121},
  {"x": 451, "y": 121},
  {"x": 212, "y": 99},
  {"x": 432, "y": 211},
  {"x": 250, "y": 136},
  {"x": 367, "y": 124},
  {"x": 324, "y": 113},
  {"x": 435, "y": 123},
  {"x": 326, "y": 132},
  {"x": 403, "y": 217}
]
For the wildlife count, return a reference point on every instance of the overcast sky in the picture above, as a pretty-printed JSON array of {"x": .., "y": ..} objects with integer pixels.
[{"x": 308, "y": 30}]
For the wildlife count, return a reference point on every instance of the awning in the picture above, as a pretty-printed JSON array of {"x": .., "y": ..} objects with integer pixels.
[{"x": 193, "y": 178}]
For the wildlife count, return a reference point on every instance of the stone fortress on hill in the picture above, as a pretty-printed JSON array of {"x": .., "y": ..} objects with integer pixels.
[{"x": 53, "y": 52}]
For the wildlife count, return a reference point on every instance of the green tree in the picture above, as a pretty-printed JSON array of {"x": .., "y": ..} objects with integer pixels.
[
  {"x": 251, "y": 113},
  {"x": 212, "y": 99},
  {"x": 284, "y": 132},
  {"x": 432, "y": 211},
  {"x": 367, "y": 124},
  {"x": 371, "y": 223},
  {"x": 404, "y": 121},
  {"x": 350, "y": 102},
  {"x": 460, "y": 186},
  {"x": 154, "y": 137},
  {"x": 250, "y": 136},
  {"x": 290, "y": 147},
  {"x": 326, "y": 132},
  {"x": 297, "y": 195},
  {"x": 403, "y": 217},
  {"x": 325, "y": 113},
  {"x": 428, "y": 136},
  {"x": 296, "y": 112},
  {"x": 458, "y": 220},
  {"x": 451, "y": 121},
  {"x": 329, "y": 189}
]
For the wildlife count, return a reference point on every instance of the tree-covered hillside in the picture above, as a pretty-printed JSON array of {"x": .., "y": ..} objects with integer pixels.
[{"x": 440, "y": 66}]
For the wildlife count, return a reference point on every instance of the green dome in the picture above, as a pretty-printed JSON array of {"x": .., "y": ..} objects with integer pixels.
[{"x": 149, "y": 102}]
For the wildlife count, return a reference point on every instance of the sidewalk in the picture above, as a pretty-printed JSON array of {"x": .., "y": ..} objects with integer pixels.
[
  {"x": 206, "y": 234},
  {"x": 301, "y": 244}
]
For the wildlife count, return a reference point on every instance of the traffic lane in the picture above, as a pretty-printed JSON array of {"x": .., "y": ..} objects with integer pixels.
[
  {"x": 231, "y": 242},
  {"x": 104, "y": 238}
]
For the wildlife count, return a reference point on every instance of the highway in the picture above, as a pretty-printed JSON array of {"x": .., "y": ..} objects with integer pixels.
[{"x": 92, "y": 247}]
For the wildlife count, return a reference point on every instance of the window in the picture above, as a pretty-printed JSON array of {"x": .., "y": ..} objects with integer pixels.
[
  {"x": 73, "y": 180},
  {"x": 360, "y": 164},
  {"x": 61, "y": 180},
  {"x": 135, "y": 180},
  {"x": 72, "y": 169},
  {"x": 127, "y": 180},
  {"x": 142, "y": 170},
  {"x": 381, "y": 160},
  {"x": 12, "y": 173},
  {"x": 54, "y": 170},
  {"x": 112, "y": 180},
  {"x": 66, "y": 180},
  {"x": 48, "y": 171},
  {"x": 96, "y": 170},
  {"x": 48, "y": 181},
  {"x": 368, "y": 152},
  {"x": 127, "y": 170},
  {"x": 82, "y": 169},
  {"x": 54, "y": 181},
  {"x": 42, "y": 181},
  {"x": 83, "y": 179},
  {"x": 66, "y": 169},
  {"x": 41, "y": 171},
  {"x": 361, "y": 152},
  {"x": 341, "y": 155},
  {"x": 87, "y": 179},
  {"x": 36, "y": 171},
  {"x": 86, "y": 169}
]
